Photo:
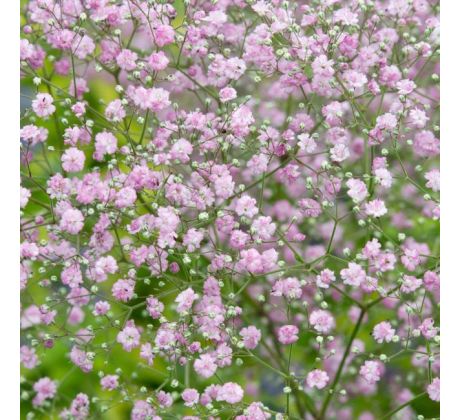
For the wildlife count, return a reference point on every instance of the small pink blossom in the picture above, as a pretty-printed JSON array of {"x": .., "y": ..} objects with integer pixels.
[
  {"x": 357, "y": 189},
  {"x": 45, "y": 389},
  {"x": 375, "y": 208},
  {"x": 383, "y": 332},
  {"x": 73, "y": 160},
  {"x": 317, "y": 379},
  {"x": 43, "y": 105},
  {"x": 251, "y": 337},
  {"x": 72, "y": 221},
  {"x": 246, "y": 206},
  {"x": 123, "y": 290},
  {"x": 354, "y": 275},
  {"x": 205, "y": 366},
  {"x": 287, "y": 334},
  {"x": 322, "y": 321},
  {"x": 185, "y": 300},
  {"x": 325, "y": 278},
  {"x": 230, "y": 392},
  {"x": 126, "y": 59},
  {"x": 190, "y": 396},
  {"x": 109, "y": 382},
  {"x": 434, "y": 390},
  {"x": 371, "y": 371},
  {"x": 129, "y": 336},
  {"x": 227, "y": 94}
]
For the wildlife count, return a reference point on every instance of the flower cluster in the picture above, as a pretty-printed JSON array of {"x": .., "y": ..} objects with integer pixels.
[{"x": 230, "y": 209}]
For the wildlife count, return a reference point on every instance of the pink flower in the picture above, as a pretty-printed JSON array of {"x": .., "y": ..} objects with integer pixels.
[
  {"x": 205, "y": 366},
  {"x": 45, "y": 389},
  {"x": 246, "y": 206},
  {"x": 426, "y": 144},
  {"x": 307, "y": 143},
  {"x": 375, "y": 208},
  {"x": 322, "y": 321},
  {"x": 317, "y": 378},
  {"x": 106, "y": 144},
  {"x": 126, "y": 197},
  {"x": 185, "y": 300},
  {"x": 147, "y": 354},
  {"x": 123, "y": 290},
  {"x": 251, "y": 337},
  {"x": 79, "y": 109},
  {"x": 109, "y": 382},
  {"x": 325, "y": 278},
  {"x": 142, "y": 410},
  {"x": 29, "y": 250},
  {"x": 129, "y": 336},
  {"x": 181, "y": 150},
  {"x": 431, "y": 281},
  {"x": 255, "y": 411},
  {"x": 29, "y": 358},
  {"x": 417, "y": 118},
  {"x": 101, "y": 308},
  {"x": 383, "y": 177},
  {"x": 371, "y": 371},
  {"x": 115, "y": 111},
  {"x": 33, "y": 134},
  {"x": 257, "y": 263},
  {"x": 164, "y": 399},
  {"x": 155, "y": 99},
  {"x": 227, "y": 94},
  {"x": 103, "y": 266},
  {"x": 72, "y": 221},
  {"x": 333, "y": 112},
  {"x": 43, "y": 105},
  {"x": 310, "y": 207},
  {"x": 287, "y": 334},
  {"x": 79, "y": 87},
  {"x": 82, "y": 359},
  {"x": 230, "y": 392},
  {"x": 223, "y": 355},
  {"x": 433, "y": 178},
  {"x": 158, "y": 61},
  {"x": 410, "y": 284},
  {"x": 340, "y": 152},
  {"x": 263, "y": 228},
  {"x": 79, "y": 407},
  {"x": 386, "y": 122},
  {"x": 354, "y": 275},
  {"x": 428, "y": 329},
  {"x": 192, "y": 239},
  {"x": 190, "y": 396},
  {"x": 83, "y": 46},
  {"x": 411, "y": 258},
  {"x": 357, "y": 189},
  {"x": 389, "y": 76},
  {"x": 25, "y": 195},
  {"x": 383, "y": 332},
  {"x": 434, "y": 390},
  {"x": 73, "y": 160},
  {"x": 405, "y": 86},
  {"x": 163, "y": 35},
  {"x": 354, "y": 80},
  {"x": 154, "y": 307},
  {"x": 126, "y": 59},
  {"x": 290, "y": 288},
  {"x": 241, "y": 119}
]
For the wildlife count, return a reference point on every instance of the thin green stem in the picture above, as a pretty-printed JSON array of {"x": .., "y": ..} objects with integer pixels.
[
  {"x": 399, "y": 408},
  {"x": 332, "y": 388}
]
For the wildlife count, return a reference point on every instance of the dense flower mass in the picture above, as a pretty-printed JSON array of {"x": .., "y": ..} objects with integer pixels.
[{"x": 230, "y": 209}]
